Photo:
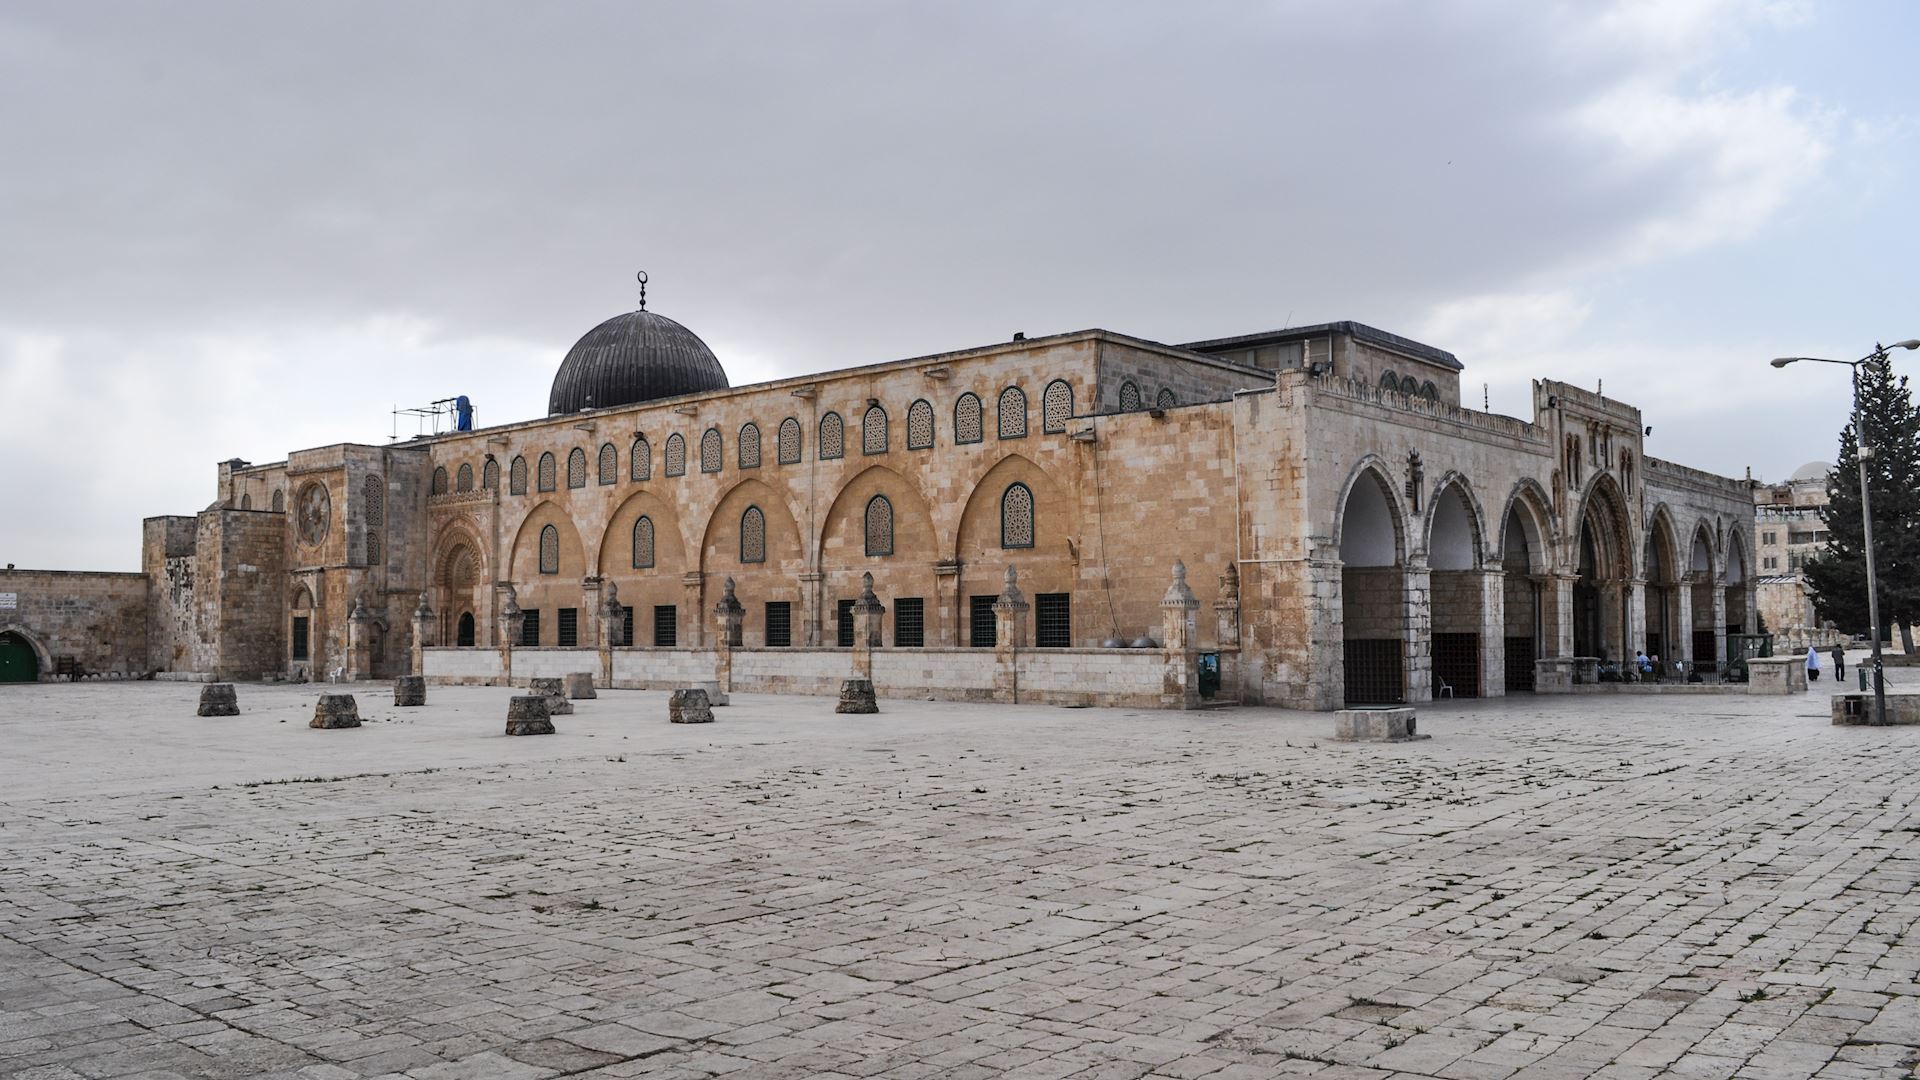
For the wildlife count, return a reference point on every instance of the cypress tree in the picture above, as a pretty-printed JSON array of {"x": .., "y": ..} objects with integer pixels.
[{"x": 1837, "y": 577}]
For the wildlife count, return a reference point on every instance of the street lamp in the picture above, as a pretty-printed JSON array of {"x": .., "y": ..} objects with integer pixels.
[{"x": 1864, "y": 453}]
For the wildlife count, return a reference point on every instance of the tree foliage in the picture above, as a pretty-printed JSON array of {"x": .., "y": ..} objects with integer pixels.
[{"x": 1837, "y": 578}]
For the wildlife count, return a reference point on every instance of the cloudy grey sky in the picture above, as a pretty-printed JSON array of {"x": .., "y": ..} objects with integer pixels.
[{"x": 235, "y": 229}]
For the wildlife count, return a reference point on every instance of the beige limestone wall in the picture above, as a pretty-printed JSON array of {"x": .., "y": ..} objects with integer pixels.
[{"x": 99, "y": 620}]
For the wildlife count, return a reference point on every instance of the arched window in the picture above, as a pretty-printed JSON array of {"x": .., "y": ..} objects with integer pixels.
[
  {"x": 753, "y": 536},
  {"x": 463, "y": 637},
  {"x": 609, "y": 472},
  {"x": 577, "y": 468},
  {"x": 1016, "y": 516},
  {"x": 517, "y": 476},
  {"x": 1129, "y": 396},
  {"x": 833, "y": 437},
  {"x": 490, "y": 474},
  {"x": 1429, "y": 391},
  {"x": 463, "y": 480},
  {"x": 643, "y": 543},
  {"x": 549, "y": 550},
  {"x": 920, "y": 425},
  {"x": 750, "y": 445},
  {"x": 439, "y": 481},
  {"x": 1056, "y": 406},
  {"x": 873, "y": 430},
  {"x": 640, "y": 459},
  {"x": 246, "y": 500},
  {"x": 373, "y": 510},
  {"x": 1013, "y": 413},
  {"x": 279, "y": 501},
  {"x": 710, "y": 451},
  {"x": 1164, "y": 400},
  {"x": 1409, "y": 385},
  {"x": 966, "y": 419},
  {"x": 676, "y": 455},
  {"x": 789, "y": 441},
  {"x": 1389, "y": 381},
  {"x": 547, "y": 473},
  {"x": 879, "y": 526}
]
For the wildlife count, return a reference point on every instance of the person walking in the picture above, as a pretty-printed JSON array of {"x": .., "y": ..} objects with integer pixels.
[
  {"x": 1839, "y": 662},
  {"x": 1813, "y": 664}
]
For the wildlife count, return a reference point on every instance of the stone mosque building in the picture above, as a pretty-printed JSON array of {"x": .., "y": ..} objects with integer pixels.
[{"x": 1306, "y": 518}]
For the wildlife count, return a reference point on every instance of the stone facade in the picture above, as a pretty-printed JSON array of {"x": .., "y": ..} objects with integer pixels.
[
  {"x": 97, "y": 621},
  {"x": 1349, "y": 532}
]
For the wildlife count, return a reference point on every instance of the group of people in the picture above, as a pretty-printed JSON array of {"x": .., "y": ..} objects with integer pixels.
[{"x": 1839, "y": 663}]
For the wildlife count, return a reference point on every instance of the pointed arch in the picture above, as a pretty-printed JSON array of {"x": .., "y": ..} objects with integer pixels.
[
  {"x": 1165, "y": 399},
  {"x": 873, "y": 431},
  {"x": 1528, "y": 519},
  {"x": 640, "y": 459},
  {"x": 615, "y": 551},
  {"x": 843, "y": 541},
  {"x": 548, "y": 472},
  {"x": 524, "y": 558},
  {"x": 1377, "y": 534},
  {"x": 833, "y": 437},
  {"x": 977, "y": 540},
  {"x": 1056, "y": 406},
  {"x": 1660, "y": 558},
  {"x": 1736, "y": 567},
  {"x": 920, "y": 425},
  {"x": 1010, "y": 413},
  {"x": 967, "y": 423},
  {"x": 463, "y": 480},
  {"x": 439, "y": 486},
  {"x": 26, "y": 637},
  {"x": 712, "y": 452},
  {"x": 1603, "y": 508},
  {"x": 789, "y": 438},
  {"x": 608, "y": 471},
  {"x": 279, "y": 501},
  {"x": 749, "y": 450},
  {"x": 517, "y": 476},
  {"x": 674, "y": 458},
  {"x": 1129, "y": 396},
  {"x": 720, "y": 543},
  {"x": 1455, "y": 530}
]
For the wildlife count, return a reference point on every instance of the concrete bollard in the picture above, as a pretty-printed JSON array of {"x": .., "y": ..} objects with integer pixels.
[
  {"x": 335, "y": 711},
  {"x": 689, "y": 707},
  {"x": 410, "y": 690},
  {"x": 218, "y": 699},
  {"x": 527, "y": 715},
  {"x": 555, "y": 691},
  {"x": 856, "y": 696},
  {"x": 579, "y": 684}
]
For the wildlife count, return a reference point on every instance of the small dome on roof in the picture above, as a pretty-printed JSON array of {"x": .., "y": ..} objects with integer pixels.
[{"x": 1812, "y": 470}]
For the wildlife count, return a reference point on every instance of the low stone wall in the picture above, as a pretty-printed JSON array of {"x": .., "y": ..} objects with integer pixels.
[
  {"x": 794, "y": 671},
  {"x": 463, "y": 667},
  {"x": 1132, "y": 678},
  {"x": 1106, "y": 677},
  {"x": 652, "y": 669}
]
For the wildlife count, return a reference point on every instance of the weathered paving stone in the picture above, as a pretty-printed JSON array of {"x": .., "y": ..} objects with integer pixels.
[
  {"x": 689, "y": 707},
  {"x": 555, "y": 691},
  {"x": 579, "y": 685},
  {"x": 219, "y": 699},
  {"x": 528, "y": 714},
  {"x": 856, "y": 696},
  {"x": 335, "y": 711},
  {"x": 1550, "y": 887}
]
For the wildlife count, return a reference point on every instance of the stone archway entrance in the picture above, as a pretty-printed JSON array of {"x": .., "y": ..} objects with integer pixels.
[
  {"x": 1457, "y": 595},
  {"x": 19, "y": 663},
  {"x": 1373, "y": 596},
  {"x": 1524, "y": 562},
  {"x": 1600, "y": 607}
]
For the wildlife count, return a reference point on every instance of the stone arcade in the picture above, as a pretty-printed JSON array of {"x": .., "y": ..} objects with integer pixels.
[{"x": 1351, "y": 534}]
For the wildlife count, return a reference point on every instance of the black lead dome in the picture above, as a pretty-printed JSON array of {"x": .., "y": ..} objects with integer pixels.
[{"x": 639, "y": 356}]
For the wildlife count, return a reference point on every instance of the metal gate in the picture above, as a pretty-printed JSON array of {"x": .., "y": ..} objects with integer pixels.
[
  {"x": 1374, "y": 673},
  {"x": 1705, "y": 657}
]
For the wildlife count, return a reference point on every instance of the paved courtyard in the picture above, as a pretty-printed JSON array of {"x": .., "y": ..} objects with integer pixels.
[{"x": 1550, "y": 887}]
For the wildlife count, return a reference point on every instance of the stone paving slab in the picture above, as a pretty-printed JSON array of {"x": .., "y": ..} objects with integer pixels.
[{"x": 1550, "y": 887}]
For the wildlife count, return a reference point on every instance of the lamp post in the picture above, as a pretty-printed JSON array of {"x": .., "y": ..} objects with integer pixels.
[{"x": 1863, "y": 453}]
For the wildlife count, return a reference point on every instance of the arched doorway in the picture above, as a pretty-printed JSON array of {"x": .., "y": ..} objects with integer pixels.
[
  {"x": 1523, "y": 560},
  {"x": 1457, "y": 601},
  {"x": 1373, "y": 604},
  {"x": 1736, "y": 586},
  {"x": 301, "y": 630},
  {"x": 1662, "y": 591},
  {"x": 459, "y": 581},
  {"x": 1706, "y": 649},
  {"x": 463, "y": 634},
  {"x": 19, "y": 663},
  {"x": 1600, "y": 585}
]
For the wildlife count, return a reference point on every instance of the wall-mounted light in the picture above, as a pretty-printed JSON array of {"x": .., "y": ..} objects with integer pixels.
[
  {"x": 1084, "y": 435},
  {"x": 1649, "y": 430}
]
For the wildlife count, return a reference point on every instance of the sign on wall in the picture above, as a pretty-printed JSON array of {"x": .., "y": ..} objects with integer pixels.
[{"x": 9, "y": 600}]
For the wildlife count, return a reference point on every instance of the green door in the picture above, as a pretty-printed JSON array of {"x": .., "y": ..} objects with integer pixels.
[{"x": 17, "y": 661}]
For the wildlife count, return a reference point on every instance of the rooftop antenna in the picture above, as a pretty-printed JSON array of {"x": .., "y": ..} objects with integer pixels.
[
  {"x": 1486, "y": 397},
  {"x": 641, "y": 277}
]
